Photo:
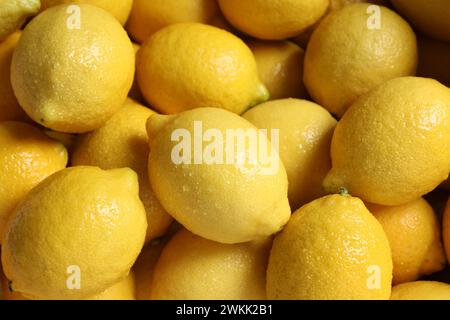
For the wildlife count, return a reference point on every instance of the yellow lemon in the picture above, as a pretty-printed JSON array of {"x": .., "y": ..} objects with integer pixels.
[
  {"x": 9, "y": 106},
  {"x": 147, "y": 17},
  {"x": 72, "y": 72},
  {"x": 27, "y": 156},
  {"x": 192, "y": 268},
  {"x": 331, "y": 248},
  {"x": 393, "y": 144},
  {"x": 14, "y": 13},
  {"x": 123, "y": 142},
  {"x": 305, "y": 131},
  {"x": 231, "y": 188},
  {"x": 303, "y": 38},
  {"x": 353, "y": 50},
  {"x": 421, "y": 290},
  {"x": 120, "y": 9},
  {"x": 280, "y": 67},
  {"x": 190, "y": 65},
  {"x": 122, "y": 290},
  {"x": 414, "y": 236},
  {"x": 273, "y": 20},
  {"x": 446, "y": 229},
  {"x": 434, "y": 61},
  {"x": 429, "y": 16},
  {"x": 75, "y": 234}
]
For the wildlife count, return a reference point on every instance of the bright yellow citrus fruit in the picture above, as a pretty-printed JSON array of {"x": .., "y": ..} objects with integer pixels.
[
  {"x": 414, "y": 236},
  {"x": 349, "y": 54},
  {"x": 147, "y": 17},
  {"x": 14, "y": 13},
  {"x": 9, "y": 106},
  {"x": 280, "y": 67},
  {"x": 80, "y": 223},
  {"x": 123, "y": 142},
  {"x": 393, "y": 144},
  {"x": 120, "y": 9},
  {"x": 332, "y": 248},
  {"x": 434, "y": 61},
  {"x": 304, "y": 146},
  {"x": 429, "y": 16},
  {"x": 192, "y": 268},
  {"x": 421, "y": 290},
  {"x": 27, "y": 156},
  {"x": 275, "y": 19},
  {"x": 69, "y": 77},
  {"x": 222, "y": 190},
  {"x": 209, "y": 67}
]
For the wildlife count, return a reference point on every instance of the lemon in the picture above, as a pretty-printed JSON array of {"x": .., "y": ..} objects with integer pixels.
[
  {"x": 414, "y": 236},
  {"x": 147, "y": 17},
  {"x": 429, "y": 16},
  {"x": 303, "y": 38},
  {"x": 190, "y": 65},
  {"x": 193, "y": 268},
  {"x": 224, "y": 190},
  {"x": 331, "y": 248},
  {"x": 75, "y": 234},
  {"x": 349, "y": 54},
  {"x": 280, "y": 67},
  {"x": 393, "y": 144},
  {"x": 305, "y": 138},
  {"x": 446, "y": 229},
  {"x": 421, "y": 290},
  {"x": 120, "y": 9},
  {"x": 14, "y": 13},
  {"x": 9, "y": 106},
  {"x": 68, "y": 79},
  {"x": 434, "y": 59},
  {"x": 273, "y": 20},
  {"x": 122, "y": 290},
  {"x": 123, "y": 142},
  {"x": 27, "y": 156}
]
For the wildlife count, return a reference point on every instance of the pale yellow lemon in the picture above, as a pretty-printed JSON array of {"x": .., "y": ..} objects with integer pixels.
[
  {"x": 429, "y": 16},
  {"x": 393, "y": 144},
  {"x": 27, "y": 156},
  {"x": 82, "y": 225},
  {"x": 305, "y": 131},
  {"x": 275, "y": 19},
  {"x": 72, "y": 77},
  {"x": 147, "y": 17},
  {"x": 280, "y": 67},
  {"x": 120, "y": 9},
  {"x": 123, "y": 142},
  {"x": 414, "y": 236},
  {"x": 14, "y": 13},
  {"x": 192, "y": 268},
  {"x": 331, "y": 249},
  {"x": 191, "y": 65},
  {"x": 421, "y": 290},
  {"x": 224, "y": 190},
  {"x": 349, "y": 54}
]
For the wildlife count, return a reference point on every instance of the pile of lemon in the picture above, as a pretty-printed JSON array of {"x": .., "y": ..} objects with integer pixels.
[{"x": 120, "y": 121}]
